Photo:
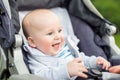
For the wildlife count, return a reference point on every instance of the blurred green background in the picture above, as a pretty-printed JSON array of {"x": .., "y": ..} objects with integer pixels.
[{"x": 110, "y": 9}]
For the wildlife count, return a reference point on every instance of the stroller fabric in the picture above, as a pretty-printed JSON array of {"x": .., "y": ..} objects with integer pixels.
[
  {"x": 7, "y": 30},
  {"x": 79, "y": 9}
]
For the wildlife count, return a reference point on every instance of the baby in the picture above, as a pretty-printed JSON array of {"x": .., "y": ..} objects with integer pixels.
[{"x": 50, "y": 55}]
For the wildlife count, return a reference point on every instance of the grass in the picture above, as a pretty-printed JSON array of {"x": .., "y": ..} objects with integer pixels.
[{"x": 117, "y": 39}]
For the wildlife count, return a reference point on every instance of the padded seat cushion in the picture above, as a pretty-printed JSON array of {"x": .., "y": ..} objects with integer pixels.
[{"x": 86, "y": 35}]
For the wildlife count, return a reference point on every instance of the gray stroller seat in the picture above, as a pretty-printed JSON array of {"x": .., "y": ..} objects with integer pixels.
[{"x": 13, "y": 63}]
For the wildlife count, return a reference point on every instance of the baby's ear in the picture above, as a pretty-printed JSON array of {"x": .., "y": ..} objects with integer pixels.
[{"x": 31, "y": 42}]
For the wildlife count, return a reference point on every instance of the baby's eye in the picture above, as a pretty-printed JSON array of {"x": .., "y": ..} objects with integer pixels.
[
  {"x": 60, "y": 30},
  {"x": 50, "y": 33}
]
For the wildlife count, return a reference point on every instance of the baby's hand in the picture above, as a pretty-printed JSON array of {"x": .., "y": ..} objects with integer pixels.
[
  {"x": 105, "y": 64},
  {"x": 115, "y": 69},
  {"x": 76, "y": 68}
]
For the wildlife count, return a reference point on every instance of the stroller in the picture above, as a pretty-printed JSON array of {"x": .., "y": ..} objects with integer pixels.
[{"x": 12, "y": 65}]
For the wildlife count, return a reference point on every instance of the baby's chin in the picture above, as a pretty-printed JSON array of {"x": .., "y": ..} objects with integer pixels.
[{"x": 55, "y": 53}]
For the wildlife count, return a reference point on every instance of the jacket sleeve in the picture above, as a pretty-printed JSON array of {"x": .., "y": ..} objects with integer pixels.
[
  {"x": 50, "y": 72},
  {"x": 89, "y": 61}
]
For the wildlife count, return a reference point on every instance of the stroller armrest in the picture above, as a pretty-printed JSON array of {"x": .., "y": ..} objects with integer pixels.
[
  {"x": 17, "y": 59},
  {"x": 115, "y": 60},
  {"x": 110, "y": 29},
  {"x": 25, "y": 77},
  {"x": 2, "y": 61},
  {"x": 110, "y": 76},
  {"x": 115, "y": 50}
]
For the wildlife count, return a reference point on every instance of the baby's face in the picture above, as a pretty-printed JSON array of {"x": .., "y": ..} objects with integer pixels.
[{"x": 48, "y": 37}]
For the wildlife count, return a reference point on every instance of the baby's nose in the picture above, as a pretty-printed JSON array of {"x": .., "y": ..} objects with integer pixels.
[{"x": 57, "y": 37}]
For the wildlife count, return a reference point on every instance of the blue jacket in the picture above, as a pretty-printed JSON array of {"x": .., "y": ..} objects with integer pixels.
[{"x": 54, "y": 68}]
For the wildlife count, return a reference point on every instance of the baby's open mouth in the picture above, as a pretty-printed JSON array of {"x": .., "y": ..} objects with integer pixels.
[{"x": 56, "y": 45}]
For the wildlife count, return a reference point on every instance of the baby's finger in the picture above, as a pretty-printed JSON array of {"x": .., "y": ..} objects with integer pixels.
[
  {"x": 78, "y": 60},
  {"x": 83, "y": 70},
  {"x": 81, "y": 65},
  {"x": 83, "y": 75},
  {"x": 106, "y": 65}
]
